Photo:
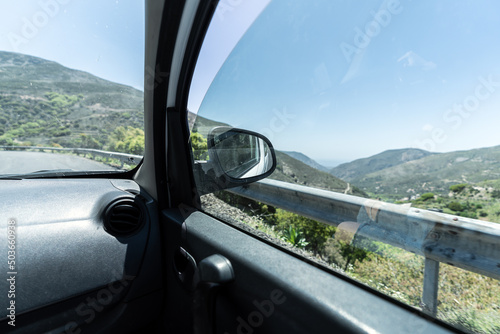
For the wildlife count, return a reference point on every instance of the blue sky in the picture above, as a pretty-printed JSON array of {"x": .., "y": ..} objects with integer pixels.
[
  {"x": 311, "y": 76},
  {"x": 105, "y": 38},
  {"x": 295, "y": 78}
]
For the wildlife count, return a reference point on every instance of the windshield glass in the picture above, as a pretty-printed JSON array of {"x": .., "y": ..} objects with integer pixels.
[{"x": 71, "y": 86}]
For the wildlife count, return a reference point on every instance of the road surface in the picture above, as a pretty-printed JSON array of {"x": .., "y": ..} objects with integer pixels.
[{"x": 21, "y": 162}]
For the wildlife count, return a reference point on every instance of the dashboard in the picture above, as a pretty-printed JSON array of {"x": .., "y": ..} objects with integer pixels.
[{"x": 77, "y": 238}]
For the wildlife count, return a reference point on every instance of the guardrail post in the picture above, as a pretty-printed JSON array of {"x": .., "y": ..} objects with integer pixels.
[{"x": 430, "y": 293}]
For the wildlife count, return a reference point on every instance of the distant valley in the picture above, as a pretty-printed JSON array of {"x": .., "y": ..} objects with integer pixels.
[
  {"x": 409, "y": 171},
  {"x": 308, "y": 161},
  {"x": 392, "y": 175},
  {"x": 354, "y": 170},
  {"x": 406, "y": 173},
  {"x": 463, "y": 183},
  {"x": 293, "y": 167}
]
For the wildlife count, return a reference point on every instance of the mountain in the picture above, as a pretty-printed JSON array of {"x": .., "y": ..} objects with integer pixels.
[
  {"x": 354, "y": 170},
  {"x": 45, "y": 103},
  {"x": 330, "y": 163},
  {"x": 292, "y": 170},
  {"x": 22, "y": 74},
  {"x": 201, "y": 124},
  {"x": 305, "y": 159},
  {"x": 434, "y": 173},
  {"x": 288, "y": 169}
]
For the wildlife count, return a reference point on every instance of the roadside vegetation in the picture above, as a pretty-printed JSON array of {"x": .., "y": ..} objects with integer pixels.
[
  {"x": 62, "y": 120},
  {"x": 480, "y": 201},
  {"x": 467, "y": 300}
]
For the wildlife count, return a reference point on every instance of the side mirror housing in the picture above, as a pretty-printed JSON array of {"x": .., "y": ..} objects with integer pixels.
[{"x": 236, "y": 157}]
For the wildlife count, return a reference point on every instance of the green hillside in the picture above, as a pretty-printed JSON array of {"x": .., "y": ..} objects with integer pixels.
[
  {"x": 305, "y": 159},
  {"x": 353, "y": 170},
  {"x": 45, "y": 103},
  {"x": 434, "y": 173},
  {"x": 201, "y": 124},
  {"x": 23, "y": 74},
  {"x": 292, "y": 170},
  {"x": 288, "y": 169}
]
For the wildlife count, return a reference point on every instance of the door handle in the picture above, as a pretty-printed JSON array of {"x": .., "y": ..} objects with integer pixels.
[
  {"x": 213, "y": 272},
  {"x": 185, "y": 267}
]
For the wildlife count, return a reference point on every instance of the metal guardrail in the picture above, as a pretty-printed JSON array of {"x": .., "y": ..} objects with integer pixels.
[
  {"x": 467, "y": 243},
  {"x": 123, "y": 157}
]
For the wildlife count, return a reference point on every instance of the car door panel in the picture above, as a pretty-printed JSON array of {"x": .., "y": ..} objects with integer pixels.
[{"x": 276, "y": 292}]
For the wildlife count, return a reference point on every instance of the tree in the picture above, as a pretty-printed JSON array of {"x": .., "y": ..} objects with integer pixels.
[
  {"x": 457, "y": 188},
  {"x": 88, "y": 142},
  {"x": 127, "y": 140},
  {"x": 6, "y": 140},
  {"x": 199, "y": 145},
  {"x": 61, "y": 101},
  {"x": 351, "y": 253},
  {"x": 455, "y": 206},
  {"x": 427, "y": 196}
]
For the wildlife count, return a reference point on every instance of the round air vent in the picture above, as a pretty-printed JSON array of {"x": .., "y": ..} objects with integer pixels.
[{"x": 124, "y": 217}]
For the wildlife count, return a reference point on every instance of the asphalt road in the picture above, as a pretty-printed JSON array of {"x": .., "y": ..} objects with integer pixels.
[{"x": 20, "y": 162}]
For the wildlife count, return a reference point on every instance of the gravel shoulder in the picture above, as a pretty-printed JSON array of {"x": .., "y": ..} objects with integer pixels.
[{"x": 256, "y": 226}]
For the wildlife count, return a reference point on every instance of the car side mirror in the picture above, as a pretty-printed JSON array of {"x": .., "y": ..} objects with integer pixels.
[{"x": 236, "y": 157}]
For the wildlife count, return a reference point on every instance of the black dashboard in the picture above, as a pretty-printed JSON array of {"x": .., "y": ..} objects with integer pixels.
[{"x": 84, "y": 246}]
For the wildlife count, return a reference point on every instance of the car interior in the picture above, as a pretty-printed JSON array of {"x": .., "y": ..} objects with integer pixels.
[{"x": 133, "y": 252}]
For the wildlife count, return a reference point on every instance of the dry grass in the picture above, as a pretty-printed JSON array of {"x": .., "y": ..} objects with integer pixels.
[{"x": 467, "y": 300}]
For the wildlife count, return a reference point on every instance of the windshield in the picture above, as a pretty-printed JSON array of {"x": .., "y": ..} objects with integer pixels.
[{"x": 71, "y": 86}]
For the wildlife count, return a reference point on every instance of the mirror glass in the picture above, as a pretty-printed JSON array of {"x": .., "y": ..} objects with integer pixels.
[{"x": 239, "y": 154}]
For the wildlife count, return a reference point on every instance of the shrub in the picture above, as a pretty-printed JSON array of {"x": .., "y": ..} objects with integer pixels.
[
  {"x": 295, "y": 237},
  {"x": 351, "y": 253},
  {"x": 455, "y": 206},
  {"x": 127, "y": 140},
  {"x": 427, "y": 196},
  {"x": 85, "y": 141},
  {"x": 457, "y": 188},
  {"x": 468, "y": 214},
  {"x": 315, "y": 233}
]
